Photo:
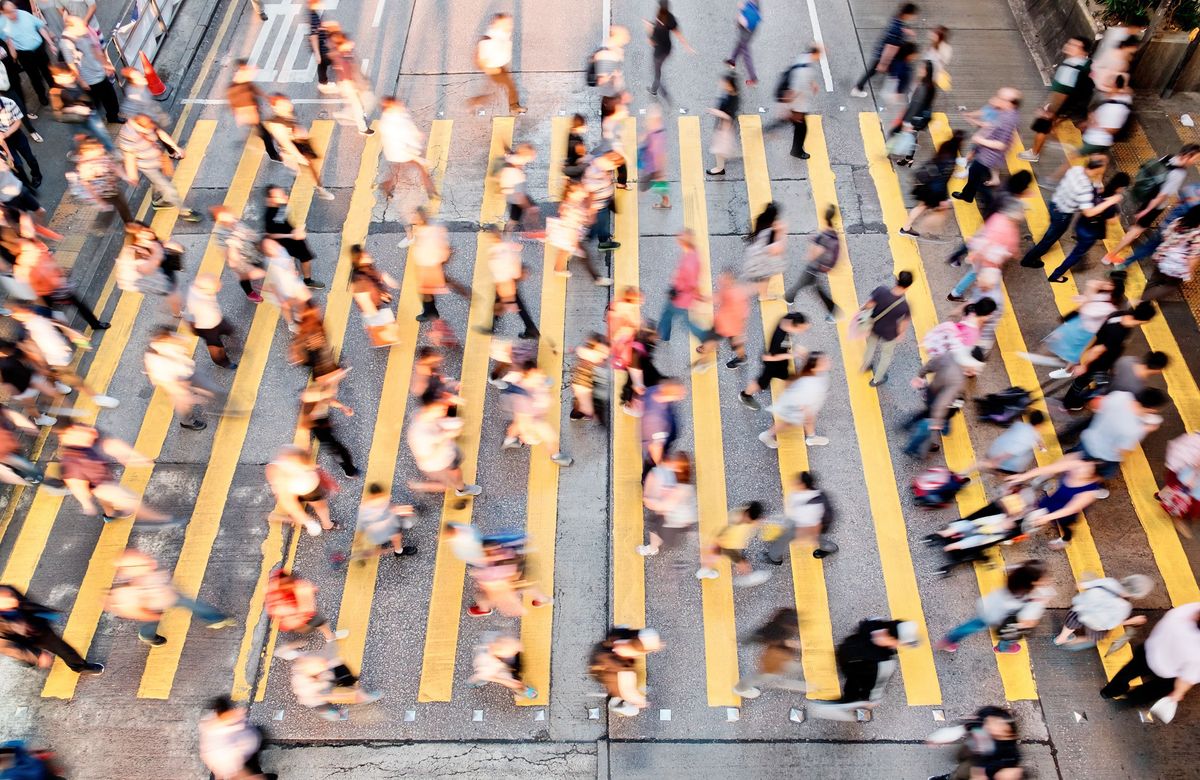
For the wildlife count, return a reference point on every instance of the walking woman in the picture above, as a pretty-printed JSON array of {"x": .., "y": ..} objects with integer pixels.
[
  {"x": 765, "y": 246},
  {"x": 652, "y": 158},
  {"x": 293, "y": 141},
  {"x": 801, "y": 401},
  {"x": 660, "y": 32},
  {"x": 670, "y": 498},
  {"x": 932, "y": 190},
  {"x": 915, "y": 117},
  {"x": 778, "y": 660},
  {"x": 724, "y": 140}
]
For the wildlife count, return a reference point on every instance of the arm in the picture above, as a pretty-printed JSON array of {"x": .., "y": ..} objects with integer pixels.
[
  {"x": 124, "y": 453},
  {"x": 51, "y": 46},
  {"x": 684, "y": 41},
  {"x": 1157, "y": 201},
  {"x": 1182, "y": 686},
  {"x": 1077, "y": 505},
  {"x": 1102, "y": 205},
  {"x": 885, "y": 57},
  {"x": 980, "y": 139},
  {"x": 1091, "y": 355},
  {"x": 131, "y": 170}
]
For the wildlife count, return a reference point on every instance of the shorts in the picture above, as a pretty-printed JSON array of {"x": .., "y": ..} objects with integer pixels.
[
  {"x": 380, "y": 534},
  {"x": 773, "y": 369},
  {"x": 212, "y": 336},
  {"x": 317, "y": 494},
  {"x": 1149, "y": 218},
  {"x": 1086, "y": 149}
]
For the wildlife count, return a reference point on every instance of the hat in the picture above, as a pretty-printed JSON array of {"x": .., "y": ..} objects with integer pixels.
[
  {"x": 907, "y": 633},
  {"x": 1136, "y": 586}
]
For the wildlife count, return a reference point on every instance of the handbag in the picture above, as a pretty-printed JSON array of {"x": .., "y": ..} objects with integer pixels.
[{"x": 864, "y": 319}]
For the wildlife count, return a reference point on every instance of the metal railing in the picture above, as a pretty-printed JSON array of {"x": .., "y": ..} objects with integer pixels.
[{"x": 143, "y": 26}]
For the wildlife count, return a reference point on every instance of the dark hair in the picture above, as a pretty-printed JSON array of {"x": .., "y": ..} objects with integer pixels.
[
  {"x": 1036, "y": 417},
  {"x": 927, "y": 76},
  {"x": 1155, "y": 360},
  {"x": 783, "y": 625},
  {"x": 1151, "y": 397},
  {"x": 1084, "y": 43},
  {"x": 1022, "y": 579},
  {"x": 831, "y": 211},
  {"x": 1018, "y": 182},
  {"x": 220, "y": 704},
  {"x": 755, "y": 510},
  {"x": 941, "y": 33},
  {"x": 983, "y": 307},
  {"x": 904, "y": 279},
  {"x": 1190, "y": 218},
  {"x": 908, "y": 9},
  {"x": 664, "y": 10},
  {"x": 765, "y": 219},
  {"x": 796, "y": 317},
  {"x": 241, "y": 62},
  {"x": 948, "y": 149},
  {"x": 1144, "y": 311},
  {"x": 1119, "y": 81},
  {"x": 1189, "y": 149},
  {"x": 808, "y": 479},
  {"x": 375, "y": 489},
  {"x": 1130, "y": 41},
  {"x": 1120, "y": 180}
]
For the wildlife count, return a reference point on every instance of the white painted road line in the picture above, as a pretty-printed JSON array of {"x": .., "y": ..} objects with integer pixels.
[
  {"x": 816, "y": 28},
  {"x": 379, "y": 5}
]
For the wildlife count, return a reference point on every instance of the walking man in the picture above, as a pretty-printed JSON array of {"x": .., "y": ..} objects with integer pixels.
[
  {"x": 243, "y": 96},
  {"x": 1168, "y": 661},
  {"x": 748, "y": 20},
  {"x": 81, "y": 52},
  {"x": 493, "y": 55},
  {"x": 899, "y": 30},
  {"x": 203, "y": 312},
  {"x": 143, "y": 592},
  {"x": 660, "y": 31},
  {"x": 27, "y": 634},
  {"x": 141, "y": 142},
  {"x": 991, "y": 141},
  {"x": 403, "y": 146},
  {"x": 29, "y": 43}
]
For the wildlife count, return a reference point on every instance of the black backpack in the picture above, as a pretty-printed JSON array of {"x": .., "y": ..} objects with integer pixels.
[{"x": 784, "y": 85}]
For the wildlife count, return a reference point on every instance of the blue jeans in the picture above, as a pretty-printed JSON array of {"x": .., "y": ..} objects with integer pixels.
[
  {"x": 206, "y": 613},
  {"x": 94, "y": 126},
  {"x": 974, "y": 626},
  {"x": 920, "y": 435},
  {"x": 1059, "y": 222},
  {"x": 965, "y": 283},
  {"x": 1085, "y": 239},
  {"x": 670, "y": 312},
  {"x": 1146, "y": 249}
]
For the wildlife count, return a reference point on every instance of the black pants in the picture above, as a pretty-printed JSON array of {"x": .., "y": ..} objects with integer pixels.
[
  {"x": 658, "y": 85},
  {"x": 1077, "y": 394},
  {"x": 73, "y": 298},
  {"x": 22, "y": 152},
  {"x": 322, "y": 69},
  {"x": 860, "y": 680},
  {"x": 14, "y": 94},
  {"x": 977, "y": 176},
  {"x": 1152, "y": 688},
  {"x": 105, "y": 96},
  {"x": 870, "y": 74},
  {"x": 799, "y": 133},
  {"x": 46, "y": 639},
  {"x": 322, "y": 431},
  {"x": 531, "y": 328},
  {"x": 268, "y": 142},
  {"x": 36, "y": 64},
  {"x": 118, "y": 202}
]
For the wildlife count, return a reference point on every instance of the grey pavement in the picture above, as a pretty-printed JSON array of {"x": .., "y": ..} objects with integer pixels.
[{"x": 421, "y": 50}]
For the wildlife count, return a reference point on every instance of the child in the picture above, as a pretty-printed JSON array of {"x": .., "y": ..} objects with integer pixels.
[{"x": 380, "y": 521}]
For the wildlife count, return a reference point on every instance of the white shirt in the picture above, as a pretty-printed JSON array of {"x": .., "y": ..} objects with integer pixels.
[
  {"x": 168, "y": 368},
  {"x": 801, "y": 85},
  {"x": 55, "y": 349},
  {"x": 804, "y": 509},
  {"x": 495, "y": 51},
  {"x": 402, "y": 141},
  {"x": 203, "y": 309},
  {"x": 1108, "y": 116},
  {"x": 431, "y": 439},
  {"x": 1173, "y": 647},
  {"x": 504, "y": 261}
]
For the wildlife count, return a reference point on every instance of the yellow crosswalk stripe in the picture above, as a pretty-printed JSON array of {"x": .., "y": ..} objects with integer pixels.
[
  {"x": 445, "y": 600},
  {"x": 720, "y": 631},
  {"x": 808, "y": 573},
  {"x": 1015, "y": 671},
  {"x": 628, "y": 568},
  {"x": 1082, "y": 554},
  {"x": 920, "y": 677},
  {"x": 82, "y": 623},
  {"x": 359, "y": 590},
  {"x": 39, "y": 519},
  {"x": 209, "y": 507},
  {"x": 542, "y": 495},
  {"x": 1169, "y": 555}
]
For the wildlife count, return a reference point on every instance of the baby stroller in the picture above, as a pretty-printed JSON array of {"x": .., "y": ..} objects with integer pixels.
[
  {"x": 1004, "y": 407},
  {"x": 935, "y": 488},
  {"x": 1004, "y": 521}
]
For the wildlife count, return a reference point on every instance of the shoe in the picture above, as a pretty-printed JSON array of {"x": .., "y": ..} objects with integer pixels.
[
  {"x": 92, "y": 669},
  {"x": 958, "y": 196},
  {"x": 705, "y": 573},
  {"x": 960, "y": 175},
  {"x": 516, "y": 110},
  {"x": 802, "y": 155},
  {"x": 312, "y": 527},
  {"x": 254, "y": 297},
  {"x": 366, "y": 133},
  {"x": 632, "y": 411},
  {"x": 36, "y": 182},
  {"x": 500, "y": 384},
  {"x": 768, "y": 439},
  {"x": 324, "y": 194},
  {"x": 313, "y": 284},
  {"x": 1102, "y": 494},
  {"x": 751, "y": 693},
  {"x": 530, "y": 692},
  {"x": 477, "y": 611},
  {"x": 63, "y": 388},
  {"x": 563, "y": 460},
  {"x": 576, "y": 415},
  {"x": 955, "y": 262},
  {"x": 44, "y": 419},
  {"x": 511, "y": 443},
  {"x": 751, "y": 82},
  {"x": 408, "y": 549},
  {"x": 262, "y": 15},
  {"x": 529, "y": 336},
  {"x": 715, "y": 171},
  {"x": 187, "y": 215},
  {"x": 102, "y": 325},
  {"x": 194, "y": 425},
  {"x": 858, "y": 93},
  {"x": 541, "y": 602},
  {"x": 404, "y": 242},
  {"x": 223, "y": 623},
  {"x": 563, "y": 274},
  {"x": 735, "y": 362},
  {"x": 1029, "y": 156},
  {"x": 1060, "y": 373},
  {"x": 105, "y": 401},
  {"x": 35, "y": 136},
  {"x": 877, "y": 381},
  {"x": 1012, "y": 649},
  {"x": 816, "y": 441},
  {"x": 608, "y": 246},
  {"x": 350, "y": 471},
  {"x": 327, "y": 89},
  {"x": 468, "y": 490},
  {"x": 370, "y": 697},
  {"x": 909, "y": 233},
  {"x": 955, "y": 298},
  {"x": 946, "y": 646},
  {"x": 158, "y": 640},
  {"x": 750, "y": 401},
  {"x": 1032, "y": 263},
  {"x": 603, "y": 281},
  {"x": 335, "y": 714},
  {"x": 646, "y": 551},
  {"x": 31, "y": 115},
  {"x": 624, "y": 709}
]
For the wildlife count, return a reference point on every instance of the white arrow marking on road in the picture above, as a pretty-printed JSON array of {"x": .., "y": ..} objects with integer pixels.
[{"x": 816, "y": 26}]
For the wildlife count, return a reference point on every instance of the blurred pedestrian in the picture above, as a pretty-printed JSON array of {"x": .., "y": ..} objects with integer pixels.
[
  {"x": 867, "y": 659},
  {"x": 143, "y": 592},
  {"x": 229, "y": 744},
  {"x": 898, "y": 31},
  {"x": 431, "y": 438},
  {"x": 497, "y": 659},
  {"x": 660, "y": 32},
  {"x": 990, "y": 746},
  {"x": 808, "y": 513},
  {"x": 749, "y": 18},
  {"x": 1101, "y": 607},
  {"x": 294, "y": 141},
  {"x": 27, "y": 634},
  {"x": 203, "y": 314},
  {"x": 29, "y": 42},
  {"x": 277, "y": 226},
  {"x": 824, "y": 250},
  {"x": 670, "y": 500},
  {"x": 141, "y": 142},
  {"x": 614, "y": 663},
  {"x": 778, "y": 659},
  {"x": 291, "y": 603},
  {"x": 652, "y": 158},
  {"x": 1168, "y": 662},
  {"x": 660, "y": 424},
  {"x": 168, "y": 364},
  {"x": 317, "y": 403},
  {"x": 493, "y": 55},
  {"x": 382, "y": 522},
  {"x": 243, "y": 96},
  {"x": 766, "y": 245},
  {"x": 800, "y": 402},
  {"x": 322, "y": 682},
  {"x": 724, "y": 138},
  {"x": 730, "y": 315},
  {"x": 684, "y": 291},
  {"x": 88, "y": 459},
  {"x": 1012, "y": 610},
  {"x": 403, "y": 146},
  {"x": 297, "y": 484},
  {"x": 783, "y": 348},
  {"x": 730, "y": 542},
  {"x": 991, "y": 141},
  {"x": 932, "y": 187}
]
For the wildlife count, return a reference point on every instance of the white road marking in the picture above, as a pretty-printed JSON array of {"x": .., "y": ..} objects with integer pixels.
[
  {"x": 816, "y": 27},
  {"x": 378, "y": 12},
  {"x": 606, "y": 19},
  {"x": 297, "y": 101},
  {"x": 277, "y": 58}
]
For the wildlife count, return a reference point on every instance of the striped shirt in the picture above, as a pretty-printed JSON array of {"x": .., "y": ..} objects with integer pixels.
[
  {"x": 143, "y": 146},
  {"x": 599, "y": 183},
  {"x": 1075, "y": 192}
]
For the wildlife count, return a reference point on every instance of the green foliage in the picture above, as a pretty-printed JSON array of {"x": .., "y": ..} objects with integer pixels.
[
  {"x": 1187, "y": 15},
  {"x": 1181, "y": 14}
]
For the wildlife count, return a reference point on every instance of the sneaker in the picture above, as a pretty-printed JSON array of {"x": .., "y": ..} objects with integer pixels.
[
  {"x": 468, "y": 490},
  {"x": 946, "y": 646},
  {"x": 962, "y": 174},
  {"x": 335, "y": 714},
  {"x": 625, "y": 709},
  {"x": 768, "y": 438},
  {"x": 603, "y": 281},
  {"x": 816, "y": 441},
  {"x": 511, "y": 443},
  {"x": 477, "y": 611},
  {"x": 36, "y": 137},
  {"x": 608, "y": 246},
  {"x": 158, "y": 203},
  {"x": 735, "y": 362},
  {"x": 909, "y": 233},
  {"x": 324, "y": 194},
  {"x": 105, "y": 401},
  {"x": 188, "y": 215},
  {"x": 632, "y": 411},
  {"x": 63, "y": 388},
  {"x": 408, "y": 549},
  {"x": 44, "y": 419},
  {"x": 194, "y": 425},
  {"x": 254, "y": 297},
  {"x": 955, "y": 298},
  {"x": 499, "y": 384},
  {"x": 327, "y": 89},
  {"x": 102, "y": 326},
  {"x": 646, "y": 551},
  {"x": 1102, "y": 494},
  {"x": 92, "y": 669},
  {"x": 715, "y": 171},
  {"x": 1012, "y": 649},
  {"x": 750, "y": 401},
  {"x": 1033, "y": 263},
  {"x": 530, "y": 692},
  {"x": 705, "y": 573},
  {"x": 1029, "y": 156},
  {"x": 223, "y": 623},
  {"x": 313, "y": 284},
  {"x": 313, "y": 527},
  {"x": 367, "y": 133},
  {"x": 370, "y": 697},
  {"x": 563, "y": 460},
  {"x": 158, "y": 640},
  {"x": 577, "y": 415},
  {"x": 1060, "y": 373},
  {"x": 404, "y": 242},
  {"x": 877, "y": 381},
  {"x": 750, "y": 693},
  {"x": 858, "y": 93}
]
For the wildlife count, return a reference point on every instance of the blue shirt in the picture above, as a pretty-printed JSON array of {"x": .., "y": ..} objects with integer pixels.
[
  {"x": 22, "y": 31},
  {"x": 895, "y": 34},
  {"x": 658, "y": 420}
]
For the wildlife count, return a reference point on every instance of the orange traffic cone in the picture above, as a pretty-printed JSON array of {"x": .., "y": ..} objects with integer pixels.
[{"x": 158, "y": 90}]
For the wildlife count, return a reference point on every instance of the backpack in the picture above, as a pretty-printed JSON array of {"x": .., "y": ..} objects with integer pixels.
[
  {"x": 1076, "y": 104},
  {"x": 1005, "y": 406},
  {"x": 589, "y": 72},
  {"x": 751, "y": 15},
  {"x": 942, "y": 338},
  {"x": 784, "y": 85},
  {"x": 1149, "y": 179},
  {"x": 936, "y": 487},
  {"x": 1124, "y": 132}
]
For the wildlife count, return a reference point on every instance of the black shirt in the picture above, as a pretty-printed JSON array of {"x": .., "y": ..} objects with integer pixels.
[
  {"x": 730, "y": 103},
  {"x": 1112, "y": 336},
  {"x": 275, "y": 221},
  {"x": 858, "y": 647},
  {"x": 14, "y": 371},
  {"x": 660, "y": 35},
  {"x": 887, "y": 325},
  {"x": 780, "y": 341}
]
